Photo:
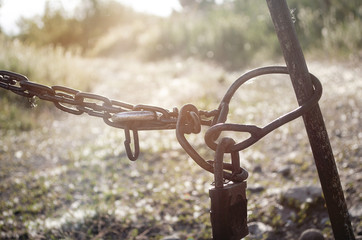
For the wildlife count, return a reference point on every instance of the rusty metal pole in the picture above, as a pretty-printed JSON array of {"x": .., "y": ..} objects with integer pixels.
[{"x": 313, "y": 120}]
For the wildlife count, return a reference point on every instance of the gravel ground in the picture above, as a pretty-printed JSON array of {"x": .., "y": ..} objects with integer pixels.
[{"x": 69, "y": 178}]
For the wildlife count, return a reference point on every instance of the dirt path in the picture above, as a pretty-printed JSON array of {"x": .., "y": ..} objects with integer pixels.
[{"x": 74, "y": 168}]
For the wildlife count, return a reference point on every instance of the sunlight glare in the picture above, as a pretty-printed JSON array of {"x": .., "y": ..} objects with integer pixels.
[
  {"x": 157, "y": 7},
  {"x": 12, "y": 10}
]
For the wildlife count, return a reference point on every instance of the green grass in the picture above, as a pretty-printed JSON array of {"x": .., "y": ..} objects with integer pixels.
[
  {"x": 70, "y": 178},
  {"x": 47, "y": 65},
  {"x": 235, "y": 35},
  {"x": 67, "y": 177}
]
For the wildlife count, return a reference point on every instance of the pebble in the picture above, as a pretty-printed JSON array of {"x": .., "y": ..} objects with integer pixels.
[
  {"x": 324, "y": 221},
  {"x": 256, "y": 188},
  {"x": 356, "y": 210},
  {"x": 299, "y": 195},
  {"x": 311, "y": 234},
  {"x": 285, "y": 171},
  {"x": 257, "y": 169},
  {"x": 172, "y": 237},
  {"x": 257, "y": 229}
]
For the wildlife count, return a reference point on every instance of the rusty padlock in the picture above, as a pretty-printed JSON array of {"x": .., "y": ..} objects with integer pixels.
[{"x": 228, "y": 202}]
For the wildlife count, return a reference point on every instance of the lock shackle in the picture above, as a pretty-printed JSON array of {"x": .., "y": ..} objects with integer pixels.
[
  {"x": 219, "y": 160},
  {"x": 235, "y": 163}
]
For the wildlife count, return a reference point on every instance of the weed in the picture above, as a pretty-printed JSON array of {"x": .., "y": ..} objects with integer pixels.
[{"x": 47, "y": 65}]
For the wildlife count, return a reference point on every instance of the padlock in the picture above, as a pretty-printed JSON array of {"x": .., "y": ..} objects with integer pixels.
[{"x": 228, "y": 202}]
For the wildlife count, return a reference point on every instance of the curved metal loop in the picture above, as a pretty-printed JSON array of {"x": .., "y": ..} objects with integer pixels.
[
  {"x": 183, "y": 128},
  {"x": 256, "y": 132},
  {"x": 189, "y": 119},
  {"x": 41, "y": 91},
  {"x": 66, "y": 95},
  {"x": 196, "y": 123},
  {"x": 141, "y": 107},
  {"x": 223, "y": 109},
  {"x": 92, "y": 104},
  {"x": 236, "y": 170},
  {"x": 224, "y": 104},
  {"x": 127, "y": 144},
  {"x": 12, "y": 81},
  {"x": 14, "y": 77},
  {"x": 224, "y": 144},
  {"x": 219, "y": 159},
  {"x": 214, "y": 131},
  {"x": 239, "y": 174}
]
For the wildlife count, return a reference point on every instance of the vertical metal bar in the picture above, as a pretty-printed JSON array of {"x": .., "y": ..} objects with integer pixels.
[{"x": 313, "y": 120}]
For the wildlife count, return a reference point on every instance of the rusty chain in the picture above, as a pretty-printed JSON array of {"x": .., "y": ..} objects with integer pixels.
[
  {"x": 144, "y": 117},
  {"x": 77, "y": 102}
]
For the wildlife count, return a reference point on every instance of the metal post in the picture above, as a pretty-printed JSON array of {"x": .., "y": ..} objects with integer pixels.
[{"x": 313, "y": 120}]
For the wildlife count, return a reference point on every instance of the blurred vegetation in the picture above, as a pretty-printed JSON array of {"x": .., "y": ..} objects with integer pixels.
[
  {"x": 72, "y": 179},
  {"x": 47, "y": 65},
  {"x": 333, "y": 25},
  {"x": 92, "y": 20},
  {"x": 231, "y": 34},
  {"x": 239, "y": 32}
]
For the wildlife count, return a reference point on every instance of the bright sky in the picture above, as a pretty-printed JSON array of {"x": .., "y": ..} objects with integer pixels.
[{"x": 12, "y": 10}]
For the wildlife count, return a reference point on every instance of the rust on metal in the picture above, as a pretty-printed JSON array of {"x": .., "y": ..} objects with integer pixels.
[
  {"x": 190, "y": 119},
  {"x": 134, "y": 116}
]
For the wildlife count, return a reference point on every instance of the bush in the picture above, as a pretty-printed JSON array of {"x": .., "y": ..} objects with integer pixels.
[
  {"x": 229, "y": 38},
  {"x": 46, "y": 65},
  {"x": 333, "y": 26},
  {"x": 230, "y": 34}
]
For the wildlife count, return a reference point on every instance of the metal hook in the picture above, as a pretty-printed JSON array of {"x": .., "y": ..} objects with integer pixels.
[
  {"x": 127, "y": 144},
  {"x": 182, "y": 128},
  {"x": 256, "y": 133}
]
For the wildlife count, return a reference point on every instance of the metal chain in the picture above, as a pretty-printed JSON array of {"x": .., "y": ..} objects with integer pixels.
[
  {"x": 144, "y": 117},
  {"x": 77, "y": 102}
]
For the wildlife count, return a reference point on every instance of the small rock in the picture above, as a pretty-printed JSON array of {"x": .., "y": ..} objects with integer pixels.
[
  {"x": 294, "y": 197},
  {"x": 257, "y": 229},
  {"x": 356, "y": 210},
  {"x": 311, "y": 234},
  {"x": 285, "y": 171},
  {"x": 257, "y": 169},
  {"x": 359, "y": 231},
  {"x": 172, "y": 237},
  {"x": 256, "y": 188},
  {"x": 286, "y": 214},
  {"x": 324, "y": 221}
]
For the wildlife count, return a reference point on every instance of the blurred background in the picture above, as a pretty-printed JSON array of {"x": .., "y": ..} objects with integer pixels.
[{"x": 68, "y": 177}]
